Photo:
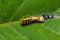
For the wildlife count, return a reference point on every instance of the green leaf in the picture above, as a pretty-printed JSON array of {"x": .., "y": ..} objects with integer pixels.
[
  {"x": 8, "y": 8},
  {"x": 54, "y": 24},
  {"x": 36, "y": 31},
  {"x": 13, "y": 10},
  {"x": 33, "y": 7}
]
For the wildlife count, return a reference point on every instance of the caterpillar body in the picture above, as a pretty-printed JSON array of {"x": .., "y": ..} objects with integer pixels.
[{"x": 41, "y": 19}]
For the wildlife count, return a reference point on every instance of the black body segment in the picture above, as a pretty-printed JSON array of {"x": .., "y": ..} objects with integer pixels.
[{"x": 48, "y": 16}]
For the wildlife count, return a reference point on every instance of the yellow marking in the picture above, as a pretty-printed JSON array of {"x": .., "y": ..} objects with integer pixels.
[
  {"x": 35, "y": 18},
  {"x": 26, "y": 19}
]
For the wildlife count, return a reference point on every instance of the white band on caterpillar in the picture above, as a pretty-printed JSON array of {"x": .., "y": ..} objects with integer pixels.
[{"x": 41, "y": 19}]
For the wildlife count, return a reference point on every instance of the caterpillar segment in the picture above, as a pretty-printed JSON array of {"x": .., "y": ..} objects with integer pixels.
[
  {"x": 38, "y": 19},
  {"x": 26, "y": 20},
  {"x": 34, "y": 18}
]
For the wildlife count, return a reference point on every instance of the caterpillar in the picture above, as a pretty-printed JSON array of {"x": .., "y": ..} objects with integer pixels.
[{"x": 41, "y": 19}]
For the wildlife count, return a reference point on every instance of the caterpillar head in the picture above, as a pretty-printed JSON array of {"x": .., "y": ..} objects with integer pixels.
[{"x": 41, "y": 19}]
